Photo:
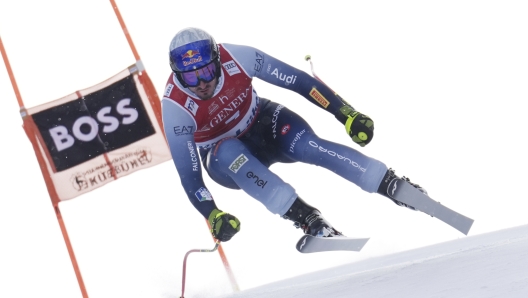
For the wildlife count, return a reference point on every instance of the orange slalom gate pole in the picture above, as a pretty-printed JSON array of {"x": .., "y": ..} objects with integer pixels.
[
  {"x": 156, "y": 104},
  {"x": 229, "y": 272},
  {"x": 125, "y": 30},
  {"x": 143, "y": 77},
  {"x": 11, "y": 76},
  {"x": 30, "y": 129}
]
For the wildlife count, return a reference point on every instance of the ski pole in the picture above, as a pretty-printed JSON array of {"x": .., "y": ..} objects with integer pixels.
[
  {"x": 309, "y": 59},
  {"x": 217, "y": 243}
]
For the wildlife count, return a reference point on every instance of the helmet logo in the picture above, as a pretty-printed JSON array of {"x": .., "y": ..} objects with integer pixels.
[{"x": 188, "y": 57}]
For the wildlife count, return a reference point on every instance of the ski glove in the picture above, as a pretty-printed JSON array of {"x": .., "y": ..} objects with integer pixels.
[
  {"x": 223, "y": 225},
  {"x": 358, "y": 126}
]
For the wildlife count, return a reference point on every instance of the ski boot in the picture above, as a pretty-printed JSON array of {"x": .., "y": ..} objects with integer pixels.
[
  {"x": 385, "y": 187},
  {"x": 309, "y": 220}
]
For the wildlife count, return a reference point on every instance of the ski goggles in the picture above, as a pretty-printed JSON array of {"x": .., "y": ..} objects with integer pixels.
[{"x": 206, "y": 74}]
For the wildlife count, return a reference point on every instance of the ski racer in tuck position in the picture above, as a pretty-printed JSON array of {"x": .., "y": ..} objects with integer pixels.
[{"x": 210, "y": 106}]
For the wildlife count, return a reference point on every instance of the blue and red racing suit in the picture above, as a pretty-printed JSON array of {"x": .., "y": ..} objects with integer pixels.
[{"x": 236, "y": 135}]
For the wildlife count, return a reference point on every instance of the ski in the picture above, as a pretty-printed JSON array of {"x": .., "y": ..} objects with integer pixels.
[
  {"x": 408, "y": 194},
  {"x": 310, "y": 244}
]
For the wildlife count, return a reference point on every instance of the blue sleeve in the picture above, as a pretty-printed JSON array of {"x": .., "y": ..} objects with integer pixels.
[
  {"x": 179, "y": 129},
  {"x": 258, "y": 64}
]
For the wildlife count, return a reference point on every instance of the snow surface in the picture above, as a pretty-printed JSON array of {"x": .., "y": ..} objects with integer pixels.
[{"x": 487, "y": 265}]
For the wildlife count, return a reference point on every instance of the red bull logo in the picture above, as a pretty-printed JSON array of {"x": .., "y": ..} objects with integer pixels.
[
  {"x": 189, "y": 54},
  {"x": 189, "y": 57}
]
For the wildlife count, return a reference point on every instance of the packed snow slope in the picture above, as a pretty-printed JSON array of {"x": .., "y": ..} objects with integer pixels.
[{"x": 487, "y": 265}]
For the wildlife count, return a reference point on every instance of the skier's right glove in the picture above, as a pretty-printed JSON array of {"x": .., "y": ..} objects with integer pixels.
[{"x": 223, "y": 225}]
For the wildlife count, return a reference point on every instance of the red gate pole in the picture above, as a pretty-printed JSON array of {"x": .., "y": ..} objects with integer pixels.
[
  {"x": 157, "y": 105},
  {"x": 30, "y": 129}
]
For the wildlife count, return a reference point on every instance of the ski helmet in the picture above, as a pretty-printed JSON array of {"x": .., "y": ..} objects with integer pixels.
[{"x": 194, "y": 54}]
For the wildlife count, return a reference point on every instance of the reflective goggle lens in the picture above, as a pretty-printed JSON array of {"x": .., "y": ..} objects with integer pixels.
[{"x": 205, "y": 74}]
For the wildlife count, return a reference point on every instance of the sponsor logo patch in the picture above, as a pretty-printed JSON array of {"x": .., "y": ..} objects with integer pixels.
[
  {"x": 275, "y": 119},
  {"x": 285, "y": 129},
  {"x": 393, "y": 186},
  {"x": 319, "y": 98},
  {"x": 338, "y": 156},
  {"x": 193, "y": 155},
  {"x": 168, "y": 90},
  {"x": 238, "y": 163},
  {"x": 191, "y": 106},
  {"x": 203, "y": 194},
  {"x": 259, "y": 61},
  {"x": 296, "y": 139},
  {"x": 283, "y": 77},
  {"x": 231, "y": 67},
  {"x": 259, "y": 182},
  {"x": 183, "y": 130},
  {"x": 213, "y": 107},
  {"x": 189, "y": 57}
]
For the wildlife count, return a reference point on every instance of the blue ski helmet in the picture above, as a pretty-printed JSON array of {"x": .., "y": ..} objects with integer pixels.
[{"x": 192, "y": 49}]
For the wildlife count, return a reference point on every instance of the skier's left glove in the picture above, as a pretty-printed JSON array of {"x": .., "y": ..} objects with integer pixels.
[
  {"x": 358, "y": 126},
  {"x": 223, "y": 225}
]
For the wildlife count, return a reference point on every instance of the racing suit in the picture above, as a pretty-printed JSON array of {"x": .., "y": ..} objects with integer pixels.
[{"x": 236, "y": 135}]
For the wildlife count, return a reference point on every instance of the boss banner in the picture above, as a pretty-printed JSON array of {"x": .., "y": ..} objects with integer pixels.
[{"x": 99, "y": 134}]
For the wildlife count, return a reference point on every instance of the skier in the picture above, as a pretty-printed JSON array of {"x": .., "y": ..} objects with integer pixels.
[{"x": 210, "y": 106}]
